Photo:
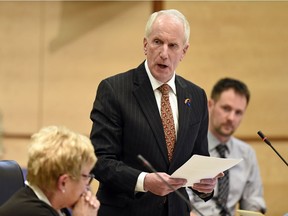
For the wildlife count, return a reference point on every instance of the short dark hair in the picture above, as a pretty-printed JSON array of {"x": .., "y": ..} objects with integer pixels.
[{"x": 229, "y": 83}]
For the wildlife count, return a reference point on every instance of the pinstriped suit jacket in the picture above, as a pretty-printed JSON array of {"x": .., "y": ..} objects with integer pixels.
[{"x": 126, "y": 122}]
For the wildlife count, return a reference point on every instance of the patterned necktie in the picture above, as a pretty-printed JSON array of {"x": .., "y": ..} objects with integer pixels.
[
  {"x": 167, "y": 120},
  {"x": 223, "y": 183}
]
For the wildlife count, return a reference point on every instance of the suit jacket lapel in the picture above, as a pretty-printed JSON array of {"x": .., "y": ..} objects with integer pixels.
[
  {"x": 145, "y": 97},
  {"x": 185, "y": 114}
]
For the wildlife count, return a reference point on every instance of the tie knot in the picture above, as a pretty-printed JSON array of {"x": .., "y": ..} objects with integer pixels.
[
  {"x": 164, "y": 89},
  {"x": 221, "y": 149}
]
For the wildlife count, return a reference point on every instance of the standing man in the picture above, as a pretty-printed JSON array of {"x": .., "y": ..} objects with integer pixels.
[
  {"x": 227, "y": 106},
  {"x": 129, "y": 120}
]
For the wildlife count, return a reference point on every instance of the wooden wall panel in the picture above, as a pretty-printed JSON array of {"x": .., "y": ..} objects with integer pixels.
[
  {"x": 274, "y": 175},
  {"x": 95, "y": 47},
  {"x": 54, "y": 54},
  {"x": 246, "y": 40},
  {"x": 19, "y": 66}
]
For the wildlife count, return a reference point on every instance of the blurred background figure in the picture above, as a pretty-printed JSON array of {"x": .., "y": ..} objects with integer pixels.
[
  {"x": 242, "y": 183},
  {"x": 58, "y": 176}
]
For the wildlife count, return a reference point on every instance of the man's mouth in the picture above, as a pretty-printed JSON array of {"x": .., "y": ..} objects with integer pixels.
[
  {"x": 162, "y": 66},
  {"x": 228, "y": 126}
]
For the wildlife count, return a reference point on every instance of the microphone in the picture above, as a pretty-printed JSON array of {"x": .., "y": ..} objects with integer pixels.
[
  {"x": 264, "y": 138},
  {"x": 152, "y": 169}
]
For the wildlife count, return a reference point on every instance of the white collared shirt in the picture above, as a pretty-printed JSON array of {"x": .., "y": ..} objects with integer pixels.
[
  {"x": 245, "y": 187},
  {"x": 172, "y": 95},
  {"x": 174, "y": 106}
]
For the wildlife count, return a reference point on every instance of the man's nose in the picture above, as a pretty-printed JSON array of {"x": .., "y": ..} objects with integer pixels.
[
  {"x": 231, "y": 115},
  {"x": 164, "y": 52}
]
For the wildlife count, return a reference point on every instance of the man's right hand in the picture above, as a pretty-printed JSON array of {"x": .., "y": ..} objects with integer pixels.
[{"x": 155, "y": 184}]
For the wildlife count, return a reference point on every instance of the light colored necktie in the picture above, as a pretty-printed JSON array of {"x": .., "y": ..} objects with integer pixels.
[
  {"x": 167, "y": 120},
  {"x": 223, "y": 183}
]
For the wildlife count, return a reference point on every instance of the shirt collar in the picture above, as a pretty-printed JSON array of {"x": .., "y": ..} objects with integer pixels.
[
  {"x": 41, "y": 196},
  {"x": 156, "y": 83},
  {"x": 213, "y": 142}
]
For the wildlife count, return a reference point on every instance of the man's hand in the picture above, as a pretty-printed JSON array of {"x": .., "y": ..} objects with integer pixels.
[
  {"x": 207, "y": 185},
  {"x": 155, "y": 185}
]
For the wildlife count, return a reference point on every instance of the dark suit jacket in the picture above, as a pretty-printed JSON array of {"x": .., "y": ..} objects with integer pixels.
[
  {"x": 25, "y": 203},
  {"x": 126, "y": 122}
]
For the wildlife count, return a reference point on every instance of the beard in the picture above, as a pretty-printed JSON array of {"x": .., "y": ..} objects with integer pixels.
[{"x": 225, "y": 130}]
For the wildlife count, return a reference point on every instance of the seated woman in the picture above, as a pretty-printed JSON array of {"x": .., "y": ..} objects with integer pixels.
[{"x": 58, "y": 176}]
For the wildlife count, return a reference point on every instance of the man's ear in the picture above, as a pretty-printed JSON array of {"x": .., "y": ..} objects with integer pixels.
[
  {"x": 211, "y": 103},
  {"x": 184, "y": 51},
  {"x": 145, "y": 45},
  {"x": 186, "y": 48}
]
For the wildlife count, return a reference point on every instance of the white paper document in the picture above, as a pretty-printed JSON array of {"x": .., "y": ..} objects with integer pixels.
[{"x": 201, "y": 167}]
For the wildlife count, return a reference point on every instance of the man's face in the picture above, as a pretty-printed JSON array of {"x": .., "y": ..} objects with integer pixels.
[
  {"x": 226, "y": 114},
  {"x": 165, "y": 47}
]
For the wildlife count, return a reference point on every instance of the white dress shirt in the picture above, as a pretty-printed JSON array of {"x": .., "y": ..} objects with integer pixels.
[
  {"x": 245, "y": 186},
  {"x": 174, "y": 106}
]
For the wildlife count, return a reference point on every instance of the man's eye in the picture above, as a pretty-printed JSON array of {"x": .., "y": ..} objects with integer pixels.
[
  {"x": 239, "y": 113},
  {"x": 156, "y": 41},
  {"x": 172, "y": 45},
  {"x": 227, "y": 109}
]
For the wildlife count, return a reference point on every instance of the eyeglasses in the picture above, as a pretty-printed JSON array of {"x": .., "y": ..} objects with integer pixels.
[{"x": 90, "y": 176}]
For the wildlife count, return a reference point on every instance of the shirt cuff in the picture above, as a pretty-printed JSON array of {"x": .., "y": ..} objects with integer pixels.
[{"x": 140, "y": 182}]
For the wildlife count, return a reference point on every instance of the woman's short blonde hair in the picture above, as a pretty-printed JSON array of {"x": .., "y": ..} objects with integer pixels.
[{"x": 54, "y": 151}]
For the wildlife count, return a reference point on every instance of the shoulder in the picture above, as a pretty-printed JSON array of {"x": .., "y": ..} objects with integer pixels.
[
  {"x": 190, "y": 90},
  {"x": 125, "y": 80},
  {"x": 186, "y": 83},
  {"x": 25, "y": 203},
  {"x": 243, "y": 148},
  {"x": 128, "y": 74}
]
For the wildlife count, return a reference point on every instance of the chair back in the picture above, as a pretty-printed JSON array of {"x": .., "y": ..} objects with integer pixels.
[{"x": 11, "y": 179}]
